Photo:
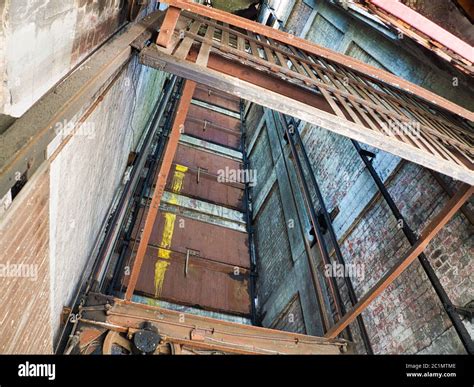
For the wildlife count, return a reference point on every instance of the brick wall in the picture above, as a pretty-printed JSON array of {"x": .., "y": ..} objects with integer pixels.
[
  {"x": 273, "y": 247},
  {"x": 407, "y": 317},
  {"x": 24, "y": 299}
]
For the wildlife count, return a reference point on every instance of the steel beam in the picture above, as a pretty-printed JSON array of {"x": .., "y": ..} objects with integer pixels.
[
  {"x": 327, "y": 218},
  {"x": 162, "y": 177},
  {"x": 256, "y": 86},
  {"x": 430, "y": 231}
]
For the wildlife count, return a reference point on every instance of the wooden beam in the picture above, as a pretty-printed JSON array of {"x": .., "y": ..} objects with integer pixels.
[
  {"x": 168, "y": 26},
  {"x": 354, "y": 64},
  {"x": 235, "y": 78},
  {"x": 430, "y": 231},
  {"x": 176, "y": 130}
]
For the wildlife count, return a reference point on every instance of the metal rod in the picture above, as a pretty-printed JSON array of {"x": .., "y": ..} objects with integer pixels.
[
  {"x": 248, "y": 220},
  {"x": 412, "y": 238},
  {"x": 315, "y": 278},
  {"x": 332, "y": 235},
  {"x": 313, "y": 217}
]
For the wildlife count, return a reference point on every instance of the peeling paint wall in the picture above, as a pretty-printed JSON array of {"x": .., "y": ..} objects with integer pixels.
[
  {"x": 87, "y": 172},
  {"x": 44, "y": 39}
]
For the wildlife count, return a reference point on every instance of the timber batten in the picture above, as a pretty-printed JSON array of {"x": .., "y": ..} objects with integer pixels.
[{"x": 322, "y": 88}]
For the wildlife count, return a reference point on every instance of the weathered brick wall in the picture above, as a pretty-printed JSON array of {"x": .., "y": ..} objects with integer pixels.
[
  {"x": 24, "y": 298},
  {"x": 282, "y": 260},
  {"x": 407, "y": 317},
  {"x": 298, "y": 16},
  {"x": 272, "y": 244}
]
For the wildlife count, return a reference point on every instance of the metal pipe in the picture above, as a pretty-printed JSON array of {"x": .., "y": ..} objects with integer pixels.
[
  {"x": 332, "y": 234},
  {"x": 412, "y": 238}
]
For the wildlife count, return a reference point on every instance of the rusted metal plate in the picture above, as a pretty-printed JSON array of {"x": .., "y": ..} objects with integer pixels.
[
  {"x": 204, "y": 114},
  {"x": 199, "y": 184},
  {"x": 192, "y": 334},
  {"x": 213, "y": 126},
  {"x": 191, "y": 280},
  {"x": 189, "y": 156},
  {"x": 216, "y": 97},
  {"x": 162, "y": 177},
  {"x": 215, "y": 243}
]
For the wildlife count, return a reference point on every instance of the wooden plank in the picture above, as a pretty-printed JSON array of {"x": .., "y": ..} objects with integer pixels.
[
  {"x": 168, "y": 26},
  {"x": 205, "y": 47},
  {"x": 183, "y": 49},
  {"x": 430, "y": 231},
  {"x": 344, "y": 60},
  {"x": 216, "y": 77}
]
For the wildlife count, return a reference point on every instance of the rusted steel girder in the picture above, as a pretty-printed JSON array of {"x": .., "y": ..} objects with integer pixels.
[
  {"x": 120, "y": 320},
  {"x": 178, "y": 124},
  {"x": 430, "y": 231},
  {"x": 324, "y": 88},
  {"x": 310, "y": 47}
]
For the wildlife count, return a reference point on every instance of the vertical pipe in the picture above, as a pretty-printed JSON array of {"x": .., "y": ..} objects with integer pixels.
[
  {"x": 314, "y": 219},
  {"x": 248, "y": 218}
]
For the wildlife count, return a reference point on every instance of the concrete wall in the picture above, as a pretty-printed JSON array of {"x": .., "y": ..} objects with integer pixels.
[
  {"x": 86, "y": 173},
  {"x": 408, "y": 317},
  {"x": 42, "y": 40}
]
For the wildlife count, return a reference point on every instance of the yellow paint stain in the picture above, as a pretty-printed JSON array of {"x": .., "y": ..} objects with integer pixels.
[
  {"x": 164, "y": 254},
  {"x": 178, "y": 178}
]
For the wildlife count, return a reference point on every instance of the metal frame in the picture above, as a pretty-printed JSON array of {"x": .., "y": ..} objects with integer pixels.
[
  {"x": 327, "y": 89},
  {"x": 176, "y": 130},
  {"x": 314, "y": 218},
  {"x": 437, "y": 286}
]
